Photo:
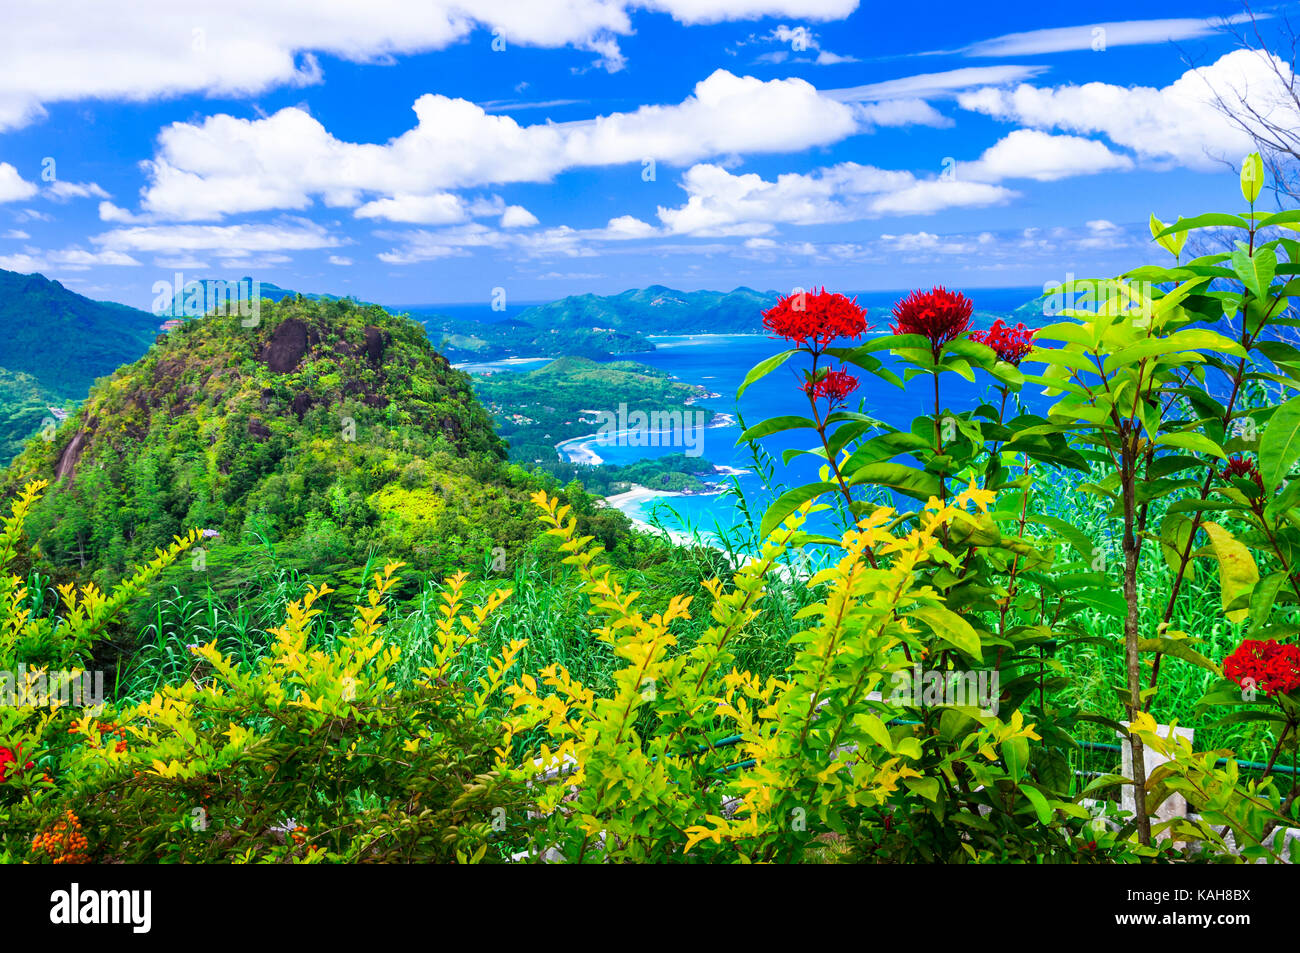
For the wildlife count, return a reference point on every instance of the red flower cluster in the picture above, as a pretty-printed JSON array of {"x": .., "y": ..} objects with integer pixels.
[
  {"x": 1241, "y": 467},
  {"x": 8, "y": 757},
  {"x": 1011, "y": 344},
  {"x": 938, "y": 315},
  {"x": 834, "y": 385},
  {"x": 1271, "y": 666},
  {"x": 815, "y": 318}
]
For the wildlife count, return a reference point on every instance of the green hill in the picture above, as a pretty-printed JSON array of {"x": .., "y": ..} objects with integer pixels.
[
  {"x": 658, "y": 310},
  {"x": 537, "y": 410},
  {"x": 329, "y": 431},
  {"x": 64, "y": 340},
  {"x": 55, "y": 344}
]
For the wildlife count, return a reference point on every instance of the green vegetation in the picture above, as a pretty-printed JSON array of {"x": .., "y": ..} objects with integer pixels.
[
  {"x": 56, "y": 343},
  {"x": 24, "y": 411},
  {"x": 601, "y": 326},
  {"x": 328, "y": 431},
  {"x": 658, "y": 310},
  {"x": 596, "y": 695},
  {"x": 675, "y": 472},
  {"x": 535, "y": 411}
]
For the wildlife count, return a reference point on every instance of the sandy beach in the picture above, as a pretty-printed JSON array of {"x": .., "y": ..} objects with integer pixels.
[{"x": 628, "y": 502}]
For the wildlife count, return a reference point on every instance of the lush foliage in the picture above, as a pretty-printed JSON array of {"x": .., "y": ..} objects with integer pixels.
[
  {"x": 1160, "y": 375},
  {"x": 741, "y": 723},
  {"x": 328, "y": 430},
  {"x": 535, "y": 411}
]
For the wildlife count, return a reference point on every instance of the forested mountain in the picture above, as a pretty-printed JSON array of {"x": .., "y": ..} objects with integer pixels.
[{"x": 331, "y": 430}]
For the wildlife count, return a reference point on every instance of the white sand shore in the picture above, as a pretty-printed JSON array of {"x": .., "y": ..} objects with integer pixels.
[{"x": 628, "y": 501}]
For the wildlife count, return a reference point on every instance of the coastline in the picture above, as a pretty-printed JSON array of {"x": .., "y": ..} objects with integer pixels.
[
  {"x": 579, "y": 449},
  {"x": 627, "y": 502}
]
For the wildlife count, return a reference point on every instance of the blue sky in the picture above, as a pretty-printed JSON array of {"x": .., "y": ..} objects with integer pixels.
[{"x": 387, "y": 150}]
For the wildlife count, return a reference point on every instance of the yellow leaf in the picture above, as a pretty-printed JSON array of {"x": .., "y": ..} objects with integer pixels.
[{"x": 1237, "y": 570}]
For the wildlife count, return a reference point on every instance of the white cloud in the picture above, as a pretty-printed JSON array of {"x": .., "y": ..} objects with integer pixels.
[
  {"x": 13, "y": 187},
  {"x": 16, "y": 234},
  {"x": 799, "y": 40},
  {"x": 936, "y": 85},
  {"x": 1097, "y": 36},
  {"x": 1175, "y": 123},
  {"x": 24, "y": 264},
  {"x": 716, "y": 11},
  {"x": 1031, "y": 154},
  {"x": 516, "y": 216},
  {"x": 228, "y": 241},
  {"x": 721, "y": 203},
  {"x": 439, "y": 208},
  {"x": 457, "y": 241},
  {"x": 827, "y": 58},
  {"x": 108, "y": 212},
  {"x": 929, "y": 242},
  {"x": 182, "y": 264},
  {"x": 67, "y": 259},
  {"x": 65, "y": 191},
  {"x": 227, "y": 166},
  {"x": 339, "y": 260},
  {"x": 153, "y": 48},
  {"x": 900, "y": 112}
]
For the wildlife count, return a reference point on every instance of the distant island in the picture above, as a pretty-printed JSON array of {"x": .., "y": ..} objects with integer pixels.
[
  {"x": 602, "y": 326},
  {"x": 537, "y": 412}
]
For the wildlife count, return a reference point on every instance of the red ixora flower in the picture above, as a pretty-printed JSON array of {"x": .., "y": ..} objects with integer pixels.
[
  {"x": 1011, "y": 344},
  {"x": 1241, "y": 467},
  {"x": 815, "y": 318},
  {"x": 8, "y": 757},
  {"x": 1271, "y": 666},
  {"x": 833, "y": 385},
  {"x": 939, "y": 315}
]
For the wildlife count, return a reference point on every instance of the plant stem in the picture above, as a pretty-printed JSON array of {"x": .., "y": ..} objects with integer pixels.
[{"x": 1128, "y": 478}]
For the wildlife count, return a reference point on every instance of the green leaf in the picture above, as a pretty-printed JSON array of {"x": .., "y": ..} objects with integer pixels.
[
  {"x": 1191, "y": 441},
  {"x": 914, "y": 483},
  {"x": 1263, "y": 597},
  {"x": 1170, "y": 243},
  {"x": 927, "y": 788},
  {"x": 1252, "y": 177},
  {"x": 763, "y": 368},
  {"x": 888, "y": 342},
  {"x": 1279, "y": 444},
  {"x": 775, "y": 425},
  {"x": 951, "y": 628},
  {"x": 1175, "y": 534},
  {"x": 1289, "y": 217},
  {"x": 1237, "y": 570},
  {"x": 790, "y": 501},
  {"x": 1255, "y": 271},
  {"x": 1036, "y": 798},
  {"x": 1178, "y": 648},
  {"x": 1210, "y": 220},
  {"x": 1015, "y": 751},
  {"x": 883, "y": 447},
  {"x": 1083, "y": 544},
  {"x": 876, "y": 730}
]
